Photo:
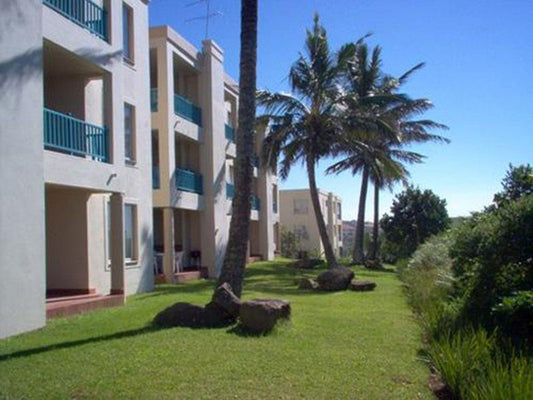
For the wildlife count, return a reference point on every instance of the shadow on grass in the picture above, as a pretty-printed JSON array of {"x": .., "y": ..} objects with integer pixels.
[{"x": 66, "y": 345}]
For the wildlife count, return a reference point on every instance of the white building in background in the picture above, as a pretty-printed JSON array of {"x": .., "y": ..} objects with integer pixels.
[
  {"x": 76, "y": 201},
  {"x": 297, "y": 216},
  {"x": 194, "y": 115}
]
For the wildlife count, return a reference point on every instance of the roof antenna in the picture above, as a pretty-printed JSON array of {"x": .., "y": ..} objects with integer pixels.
[{"x": 208, "y": 14}]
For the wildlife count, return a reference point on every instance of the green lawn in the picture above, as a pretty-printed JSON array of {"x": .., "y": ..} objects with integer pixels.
[{"x": 340, "y": 345}]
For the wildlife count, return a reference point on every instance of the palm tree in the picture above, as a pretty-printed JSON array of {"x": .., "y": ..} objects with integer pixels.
[
  {"x": 235, "y": 259},
  {"x": 305, "y": 123},
  {"x": 376, "y": 153}
]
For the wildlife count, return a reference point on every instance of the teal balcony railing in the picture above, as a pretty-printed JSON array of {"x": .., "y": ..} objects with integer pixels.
[
  {"x": 275, "y": 206},
  {"x": 153, "y": 100},
  {"x": 84, "y": 13},
  {"x": 189, "y": 181},
  {"x": 156, "y": 182},
  {"x": 73, "y": 136},
  {"x": 230, "y": 133},
  {"x": 230, "y": 190},
  {"x": 187, "y": 110},
  {"x": 256, "y": 203}
]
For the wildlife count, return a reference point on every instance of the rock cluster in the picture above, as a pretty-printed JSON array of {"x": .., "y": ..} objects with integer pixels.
[
  {"x": 336, "y": 279},
  {"x": 257, "y": 316}
]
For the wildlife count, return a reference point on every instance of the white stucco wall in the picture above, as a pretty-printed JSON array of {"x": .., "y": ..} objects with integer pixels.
[{"x": 22, "y": 246}]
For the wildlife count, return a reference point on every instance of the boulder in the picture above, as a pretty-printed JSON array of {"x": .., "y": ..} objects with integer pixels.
[
  {"x": 362, "y": 286},
  {"x": 335, "y": 279},
  {"x": 193, "y": 316},
  {"x": 307, "y": 284},
  {"x": 260, "y": 315},
  {"x": 373, "y": 264},
  {"x": 226, "y": 299}
]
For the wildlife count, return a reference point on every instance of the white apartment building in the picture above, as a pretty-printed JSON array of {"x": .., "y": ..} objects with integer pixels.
[
  {"x": 75, "y": 165},
  {"x": 297, "y": 215},
  {"x": 194, "y": 114}
]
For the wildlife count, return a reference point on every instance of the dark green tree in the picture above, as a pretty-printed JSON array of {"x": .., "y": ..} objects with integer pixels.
[
  {"x": 415, "y": 216},
  {"x": 518, "y": 182}
]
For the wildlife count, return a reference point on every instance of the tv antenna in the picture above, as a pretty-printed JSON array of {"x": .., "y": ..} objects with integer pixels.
[{"x": 208, "y": 14}]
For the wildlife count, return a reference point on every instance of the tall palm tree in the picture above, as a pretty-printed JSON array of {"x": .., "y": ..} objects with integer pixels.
[
  {"x": 376, "y": 153},
  {"x": 235, "y": 259},
  {"x": 305, "y": 123}
]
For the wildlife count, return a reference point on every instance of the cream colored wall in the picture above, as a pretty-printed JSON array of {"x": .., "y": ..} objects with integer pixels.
[
  {"x": 289, "y": 220},
  {"x": 66, "y": 239}
]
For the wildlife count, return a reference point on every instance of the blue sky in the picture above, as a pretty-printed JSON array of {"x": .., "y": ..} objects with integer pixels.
[{"x": 479, "y": 75}]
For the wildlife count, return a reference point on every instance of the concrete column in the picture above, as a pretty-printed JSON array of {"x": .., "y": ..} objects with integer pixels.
[
  {"x": 168, "y": 240},
  {"x": 117, "y": 243},
  {"x": 215, "y": 223},
  {"x": 266, "y": 213},
  {"x": 165, "y": 90}
]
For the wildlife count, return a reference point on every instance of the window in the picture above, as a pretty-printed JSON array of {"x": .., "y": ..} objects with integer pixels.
[
  {"x": 300, "y": 206},
  {"x": 130, "y": 232},
  {"x": 129, "y": 133},
  {"x": 339, "y": 211},
  {"x": 127, "y": 33},
  {"x": 300, "y": 231}
]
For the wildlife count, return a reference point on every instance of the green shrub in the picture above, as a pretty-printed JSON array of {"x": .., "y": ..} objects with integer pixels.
[
  {"x": 514, "y": 315},
  {"x": 462, "y": 358},
  {"x": 493, "y": 257},
  {"x": 474, "y": 367},
  {"x": 289, "y": 243}
]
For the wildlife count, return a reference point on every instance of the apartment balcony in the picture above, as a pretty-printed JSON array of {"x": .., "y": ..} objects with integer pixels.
[
  {"x": 156, "y": 181},
  {"x": 185, "y": 109},
  {"x": 256, "y": 203},
  {"x": 84, "y": 13},
  {"x": 230, "y": 190},
  {"x": 254, "y": 200},
  {"x": 153, "y": 100},
  {"x": 189, "y": 181},
  {"x": 230, "y": 133},
  {"x": 66, "y": 134}
]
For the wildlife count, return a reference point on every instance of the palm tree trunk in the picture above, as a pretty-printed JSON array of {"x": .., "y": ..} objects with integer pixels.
[
  {"x": 358, "y": 250},
  {"x": 239, "y": 233},
  {"x": 322, "y": 230},
  {"x": 375, "y": 228}
]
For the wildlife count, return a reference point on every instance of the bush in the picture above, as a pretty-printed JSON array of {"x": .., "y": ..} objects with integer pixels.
[
  {"x": 493, "y": 257},
  {"x": 514, "y": 315},
  {"x": 289, "y": 243},
  {"x": 476, "y": 369}
]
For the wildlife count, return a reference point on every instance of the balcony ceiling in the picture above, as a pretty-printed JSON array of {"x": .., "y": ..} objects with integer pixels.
[{"x": 58, "y": 61}]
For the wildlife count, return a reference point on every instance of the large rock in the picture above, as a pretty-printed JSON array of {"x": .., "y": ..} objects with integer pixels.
[
  {"x": 193, "y": 316},
  {"x": 307, "y": 284},
  {"x": 260, "y": 315},
  {"x": 226, "y": 299},
  {"x": 362, "y": 286},
  {"x": 335, "y": 279}
]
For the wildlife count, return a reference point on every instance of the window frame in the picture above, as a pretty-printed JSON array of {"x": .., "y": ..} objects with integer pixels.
[
  {"x": 135, "y": 234},
  {"x": 128, "y": 51},
  {"x": 133, "y": 159}
]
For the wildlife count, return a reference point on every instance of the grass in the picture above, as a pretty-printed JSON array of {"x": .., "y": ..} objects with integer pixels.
[{"x": 338, "y": 345}]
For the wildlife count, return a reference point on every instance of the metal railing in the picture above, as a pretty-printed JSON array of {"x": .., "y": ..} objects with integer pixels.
[
  {"x": 230, "y": 190},
  {"x": 73, "y": 136},
  {"x": 153, "y": 100},
  {"x": 256, "y": 203},
  {"x": 189, "y": 181},
  {"x": 230, "y": 133},
  {"x": 275, "y": 206},
  {"x": 84, "y": 13},
  {"x": 156, "y": 181},
  {"x": 187, "y": 110}
]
